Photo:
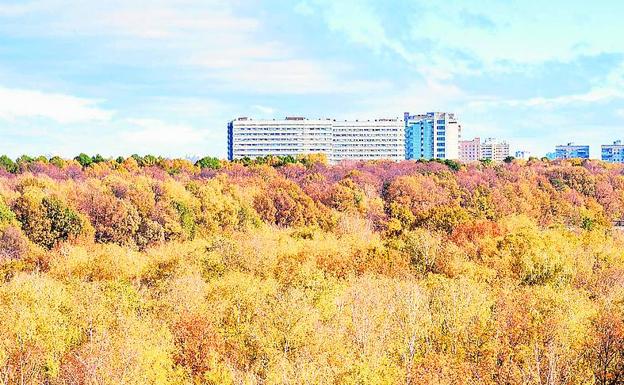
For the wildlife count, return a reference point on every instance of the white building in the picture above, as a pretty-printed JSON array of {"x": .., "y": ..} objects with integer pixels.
[
  {"x": 338, "y": 140},
  {"x": 494, "y": 149},
  {"x": 370, "y": 139}
]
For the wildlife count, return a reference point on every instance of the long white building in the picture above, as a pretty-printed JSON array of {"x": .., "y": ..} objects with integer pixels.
[{"x": 338, "y": 140}]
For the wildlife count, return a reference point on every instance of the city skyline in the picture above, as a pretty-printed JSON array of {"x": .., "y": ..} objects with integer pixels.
[{"x": 118, "y": 78}]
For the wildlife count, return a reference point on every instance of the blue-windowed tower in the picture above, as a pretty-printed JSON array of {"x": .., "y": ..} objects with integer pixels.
[
  {"x": 230, "y": 140},
  {"x": 431, "y": 135},
  {"x": 418, "y": 136}
]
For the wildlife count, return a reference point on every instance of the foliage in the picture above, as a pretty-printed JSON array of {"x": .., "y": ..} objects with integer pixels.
[
  {"x": 289, "y": 270},
  {"x": 84, "y": 160},
  {"x": 46, "y": 220},
  {"x": 209, "y": 162},
  {"x": 8, "y": 164}
]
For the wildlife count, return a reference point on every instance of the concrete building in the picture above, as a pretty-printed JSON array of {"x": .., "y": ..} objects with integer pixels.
[
  {"x": 571, "y": 150},
  {"x": 368, "y": 139},
  {"x": 474, "y": 150},
  {"x": 613, "y": 153},
  {"x": 338, "y": 140},
  {"x": 470, "y": 150},
  {"x": 432, "y": 135},
  {"x": 494, "y": 149}
]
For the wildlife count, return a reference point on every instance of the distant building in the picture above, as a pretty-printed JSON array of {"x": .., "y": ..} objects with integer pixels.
[
  {"x": 613, "y": 153},
  {"x": 571, "y": 151},
  {"x": 432, "y": 135},
  {"x": 470, "y": 150},
  {"x": 523, "y": 154},
  {"x": 494, "y": 149},
  {"x": 338, "y": 140},
  {"x": 551, "y": 155}
]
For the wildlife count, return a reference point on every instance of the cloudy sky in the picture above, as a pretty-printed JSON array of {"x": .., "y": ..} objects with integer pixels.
[{"x": 165, "y": 76}]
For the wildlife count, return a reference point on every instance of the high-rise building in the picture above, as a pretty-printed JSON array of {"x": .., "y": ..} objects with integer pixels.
[
  {"x": 470, "y": 150},
  {"x": 432, "y": 135},
  {"x": 494, "y": 149},
  {"x": 571, "y": 150},
  {"x": 338, "y": 140},
  {"x": 613, "y": 153}
]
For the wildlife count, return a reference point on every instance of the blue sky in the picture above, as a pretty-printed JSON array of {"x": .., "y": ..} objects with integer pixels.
[{"x": 164, "y": 77}]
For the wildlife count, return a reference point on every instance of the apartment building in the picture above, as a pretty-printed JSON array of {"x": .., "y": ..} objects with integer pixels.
[
  {"x": 613, "y": 153},
  {"x": 291, "y": 136},
  {"x": 494, "y": 149},
  {"x": 470, "y": 150},
  {"x": 571, "y": 150},
  {"x": 367, "y": 140},
  {"x": 432, "y": 135},
  {"x": 338, "y": 140},
  {"x": 474, "y": 150}
]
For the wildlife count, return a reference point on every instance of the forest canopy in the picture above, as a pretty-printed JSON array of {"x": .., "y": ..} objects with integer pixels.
[{"x": 147, "y": 270}]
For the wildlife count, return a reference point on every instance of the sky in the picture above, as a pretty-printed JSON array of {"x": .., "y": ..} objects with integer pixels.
[{"x": 119, "y": 77}]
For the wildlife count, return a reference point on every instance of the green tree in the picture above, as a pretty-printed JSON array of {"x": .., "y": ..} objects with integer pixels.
[
  {"x": 84, "y": 160},
  {"x": 57, "y": 161},
  {"x": 8, "y": 164},
  {"x": 208, "y": 162},
  {"x": 98, "y": 159}
]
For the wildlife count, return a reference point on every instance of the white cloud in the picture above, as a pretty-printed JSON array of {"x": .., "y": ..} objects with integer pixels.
[
  {"x": 418, "y": 97},
  {"x": 19, "y": 103},
  {"x": 596, "y": 95},
  {"x": 156, "y": 133},
  {"x": 168, "y": 20},
  {"x": 18, "y": 9},
  {"x": 188, "y": 108},
  {"x": 130, "y": 18},
  {"x": 291, "y": 76},
  {"x": 212, "y": 37},
  {"x": 264, "y": 109},
  {"x": 361, "y": 24}
]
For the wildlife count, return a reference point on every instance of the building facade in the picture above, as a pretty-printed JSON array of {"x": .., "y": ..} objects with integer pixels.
[
  {"x": 291, "y": 136},
  {"x": 470, "y": 150},
  {"x": 523, "y": 154},
  {"x": 338, "y": 140},
  {"x": 432, "y": 135},
  {"x": 613, "y": 153},
  {"x": 367, "y": 140},
  {"x": 571, "y": 150},
  {"x": 491, "y": 149},
  {"x": 494, "y": 149}
]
